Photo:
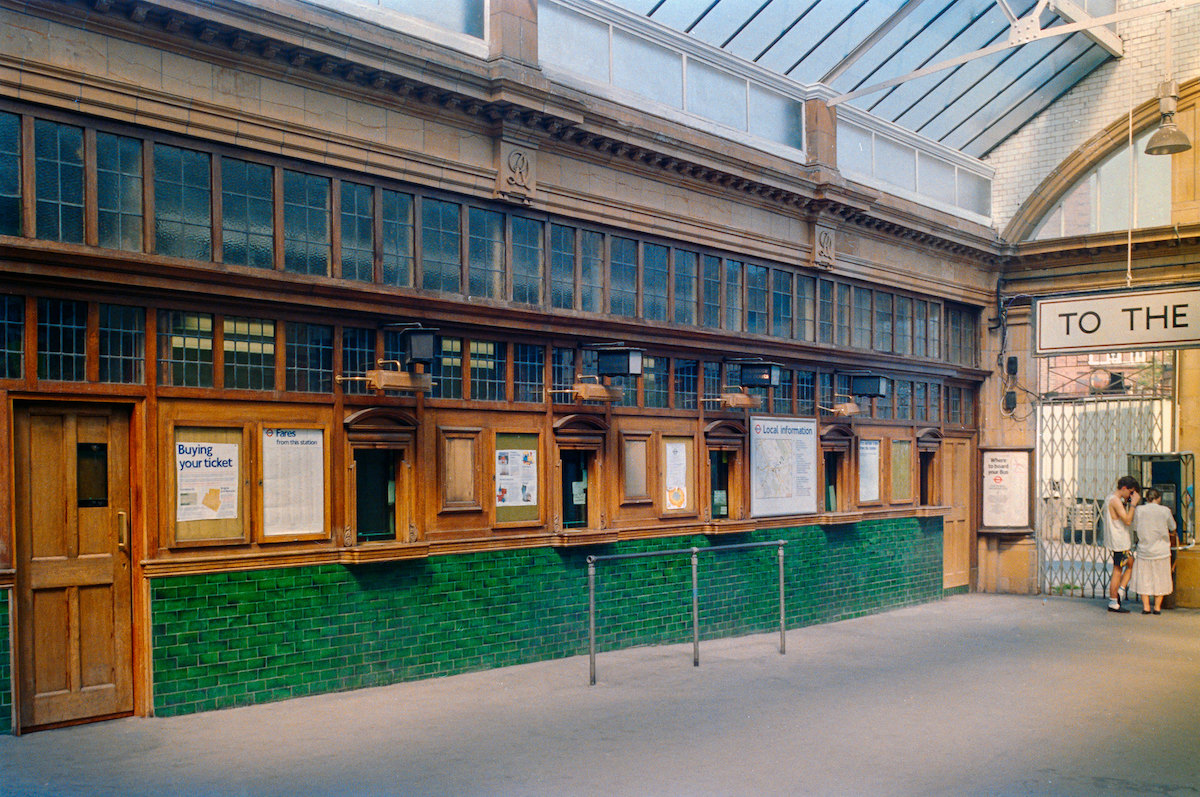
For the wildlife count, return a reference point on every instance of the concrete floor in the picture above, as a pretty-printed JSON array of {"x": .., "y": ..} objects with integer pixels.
[{"x": 976, "y": 694}]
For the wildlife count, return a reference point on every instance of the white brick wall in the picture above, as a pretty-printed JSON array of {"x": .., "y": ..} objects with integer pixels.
[{"x": 1025, "y": 159}]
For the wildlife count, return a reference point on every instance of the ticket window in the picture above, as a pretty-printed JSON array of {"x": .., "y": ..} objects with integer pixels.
[
  {"x": 834, "y": 462},
  {"x": 720, "y": 463},
  {"x": 577, "y": 474},
  {"x": 381, "y": 494},
  {"x": 926, "y": 475}
]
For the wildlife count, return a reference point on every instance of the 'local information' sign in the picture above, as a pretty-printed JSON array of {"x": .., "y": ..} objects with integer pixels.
[{"x": 1165, "y": 319}]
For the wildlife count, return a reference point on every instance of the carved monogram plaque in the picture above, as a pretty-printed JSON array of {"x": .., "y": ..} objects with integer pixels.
[
  {"x": 824, "y": 248},
  {"x": 516, "y": 163}
]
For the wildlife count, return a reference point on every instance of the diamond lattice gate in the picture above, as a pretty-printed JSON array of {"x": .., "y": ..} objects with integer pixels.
[{"x": 1093, "y": 410}]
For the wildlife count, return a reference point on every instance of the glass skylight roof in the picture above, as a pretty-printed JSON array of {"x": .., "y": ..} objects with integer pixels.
[{"x": 852, "y": 44}]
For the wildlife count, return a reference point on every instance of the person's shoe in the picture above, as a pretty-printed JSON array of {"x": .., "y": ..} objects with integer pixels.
[
  {"x": 1147, "y": 611},
  {"x": 1158, "y": 611},
  {"x": 1117, "y": 608}
]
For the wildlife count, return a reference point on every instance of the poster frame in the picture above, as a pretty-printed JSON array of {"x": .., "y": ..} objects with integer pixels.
[{"x": 1017, "y": 453}]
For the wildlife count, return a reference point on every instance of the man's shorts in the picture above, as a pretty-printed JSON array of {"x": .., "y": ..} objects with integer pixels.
[{"x": 1120, "y": 558}]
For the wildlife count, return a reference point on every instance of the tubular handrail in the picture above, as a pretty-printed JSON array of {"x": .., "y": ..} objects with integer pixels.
[{"x": 695, "y": 553}]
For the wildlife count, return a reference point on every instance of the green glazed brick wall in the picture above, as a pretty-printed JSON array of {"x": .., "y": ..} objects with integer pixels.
[
  {"x": 6, "y": 690},
  {"x": 232, "y": 639}
]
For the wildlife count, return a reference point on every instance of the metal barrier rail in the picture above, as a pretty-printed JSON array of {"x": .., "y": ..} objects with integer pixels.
[{"x": 695, "y": 552}]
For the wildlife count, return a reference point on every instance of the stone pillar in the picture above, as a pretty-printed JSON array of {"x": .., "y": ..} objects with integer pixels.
[
  {"x": 820, "y": 134},
  {"x": 1187, "y": 372},
  {"x": 513, "y": 31}
]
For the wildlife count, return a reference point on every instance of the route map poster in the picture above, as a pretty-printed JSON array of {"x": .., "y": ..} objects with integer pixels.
[{"x": 783, "y": 466}]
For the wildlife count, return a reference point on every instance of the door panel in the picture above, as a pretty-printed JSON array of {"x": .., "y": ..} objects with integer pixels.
[
  {"x": 958, "y": 492},
  {"x": 73, "y": 576}
]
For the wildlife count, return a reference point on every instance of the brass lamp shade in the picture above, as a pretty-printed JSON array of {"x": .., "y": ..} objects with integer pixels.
[{"x": 1167, "y": 139}]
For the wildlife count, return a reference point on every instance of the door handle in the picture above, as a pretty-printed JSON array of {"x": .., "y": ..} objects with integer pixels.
[{"x": 123, "y": 531}]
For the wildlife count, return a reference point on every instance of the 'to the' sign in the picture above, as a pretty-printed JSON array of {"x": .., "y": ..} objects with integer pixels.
[{"x": 1126, "y": 320}]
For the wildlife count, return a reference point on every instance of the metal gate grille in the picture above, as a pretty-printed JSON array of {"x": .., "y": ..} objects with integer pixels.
[{"x": 1092, "y": 410}]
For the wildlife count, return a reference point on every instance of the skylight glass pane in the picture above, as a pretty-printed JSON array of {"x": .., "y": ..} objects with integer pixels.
[
  {"x": 573, "y": 42},
  {"x": 647, "y": 69},
  {"x": 716, "y": 95},
  {"x": 461, "y": 16},
  {"x": 776, "y": 118},
  {"x": 896, "y": 164}
]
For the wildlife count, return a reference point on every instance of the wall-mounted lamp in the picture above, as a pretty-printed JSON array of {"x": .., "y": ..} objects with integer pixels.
[
  {"x": 735, "y": 399},
  {"x": 759, "y": 374},
  {"x": 417, "y": 345},
  {"x": 593, "y": 390},
  {"x": 618, "y": 361},
  {"x": 869, "y": 385}
]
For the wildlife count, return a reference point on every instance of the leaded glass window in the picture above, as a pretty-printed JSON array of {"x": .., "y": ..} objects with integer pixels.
[
  {"x": 527, "y": 259},
  {"x": 686, "y": 384},
  {"x": 119, "y": 192},
  {"x": 309, "y": 358},
  {"x": 249, "y": 354},
  {"x": 488, "y": 370},
  {"x": 591, "y": 271},
  {"x": 447, "y": 369},
  {"x": 825, "y": 393},
  {"x": 805, "y": 393},
  {"x": 358, "y": 232},
  {"x": 655, "y": 281},
  {"x": 883, "y": 321},
  {"x": 62, "y": 340},
  {"x": 862, "y": 319},
  {"x": 920, "y": 411},
  {"x": 306, "y": 241},
  {"x": 920, "y": 332},
  {"x": 12, "y": 337},
  {"x": 903, "y": 325},
  {"x": 185, "y": 349},
  {"x": 781, "y": 304},
  {"x": 756, "y": 299},
  {"x": 562, "y": 267},
  {"x": 122, "y": 344},
  {"x": 623, "y": 293},
  {"x": 563, "y": 374},
  {"x": 58, "y": 166},
  {"x": 934, "y": 327},
  {"x": 712, "y": 291},
  {"x": 247, "y": 213},
  {"x": 712, "y": 380},
  {"x": 733, "y": 295},
  {"x": 904, "y": 396},
  {"x": 781, "y": 402},
  {"x": 397, "y": 239},
  {"x": 485, "y": 244},
  {"x": 655, "y": 375},
  {"x": 182, "y": 203},
  {"x": 843, "y": 314},
  {"x": 529, "y": 369},
  {"x": 358, "y": 357},
  {"x": 441, "y": 246},
  {"x": 806, "y": 309},
  {"x": 825, "y": 312},
  {"x": 685, "y": 287},
  {"x": 10, "y": 174}
]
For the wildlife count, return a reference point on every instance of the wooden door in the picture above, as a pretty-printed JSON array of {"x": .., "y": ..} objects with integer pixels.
[
  {"x": 958, "y": 493},
  {"x": 73, "y": 563}
]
